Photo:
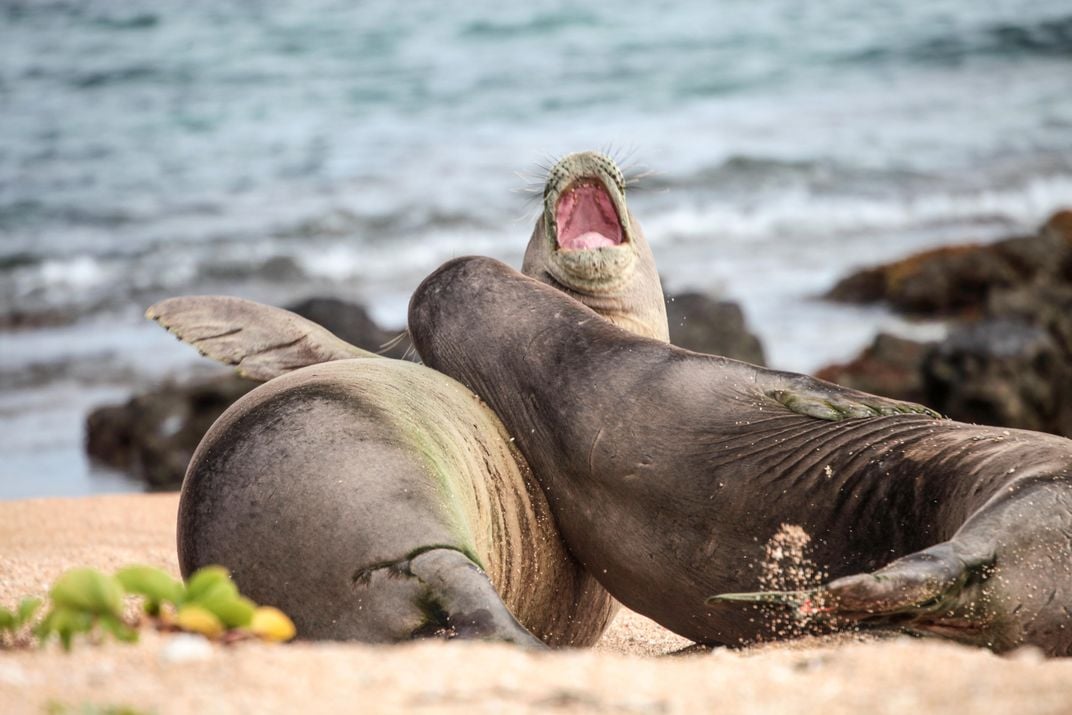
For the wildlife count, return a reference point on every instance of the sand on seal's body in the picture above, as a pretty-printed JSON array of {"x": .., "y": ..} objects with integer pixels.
[{"x": 41, "y": 538}]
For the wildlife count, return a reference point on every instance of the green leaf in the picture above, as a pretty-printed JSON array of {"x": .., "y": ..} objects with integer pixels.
[
  {"x": 7, "y": 620},
  {"x": 222, "y": 599},
  {"x": 235, "y": 611},
  {"x": 66, "y": 622},
  {"x": 27, "y": 608},
  {"x": 155, "y": 584},
  {"x": 88, "y": 590},
  {"x": 118, "y": 629},
  {"x": 217, "y": 591},
  {"x": 44, "y": 629},
  {"x": 204, "y": 579}
]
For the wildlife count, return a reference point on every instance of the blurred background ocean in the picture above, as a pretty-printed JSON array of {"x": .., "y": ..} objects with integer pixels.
[{"x": 277, "y": 150}]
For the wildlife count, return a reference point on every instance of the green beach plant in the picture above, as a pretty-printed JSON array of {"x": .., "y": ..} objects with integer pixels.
[
  {"x": 12, "y": 621},
  {"x": 86, "y": 601}
]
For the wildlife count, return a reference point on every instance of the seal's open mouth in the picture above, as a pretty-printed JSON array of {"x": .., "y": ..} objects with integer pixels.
[{"x": 586, "y": 218}]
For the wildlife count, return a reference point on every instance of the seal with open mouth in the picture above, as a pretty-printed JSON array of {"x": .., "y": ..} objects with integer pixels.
[
  {"x": 380, "y": 500},
  {"x": 668, "y": 472},
  {"x": 588, "y": 245}
]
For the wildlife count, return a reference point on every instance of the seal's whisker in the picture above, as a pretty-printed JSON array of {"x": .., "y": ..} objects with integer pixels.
[
  {"x": 636, "y": 177},
  {"x": 393, "y": 342},
  {"x": 531, "y": 210},
  {"x": 410, "y": 352},
  {"x": 532, "y": 184},
  {"x": 623, "y": 156}
]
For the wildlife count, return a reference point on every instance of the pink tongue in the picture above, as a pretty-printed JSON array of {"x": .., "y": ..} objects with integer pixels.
[
  {"x": 586, "y": 219},
  {"x": 592, "y": 239}
]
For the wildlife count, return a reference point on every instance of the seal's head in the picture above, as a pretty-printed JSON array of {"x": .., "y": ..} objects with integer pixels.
[{"x": 588, "y": 244}]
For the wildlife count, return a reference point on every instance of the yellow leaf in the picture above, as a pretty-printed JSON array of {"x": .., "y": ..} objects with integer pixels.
[
  {"x": 196, "y": 619},
  {"x": 271, "y": 624}
]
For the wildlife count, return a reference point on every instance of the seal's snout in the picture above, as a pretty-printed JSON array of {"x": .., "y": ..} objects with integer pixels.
[
  {"x": 584, "y": 203},
  {"x": 585, "y": 238},
  {"x": 587, "y": 218}
]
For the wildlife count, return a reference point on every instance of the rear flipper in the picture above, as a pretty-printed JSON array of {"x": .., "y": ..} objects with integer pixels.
[
  {"x": 925, "y": 590},
  {"x": 1003, "y": 581},
  {"x": 928, "y": 586},
  {"x": 439, "y": 592},
  {"x": 262, "y": 342}
]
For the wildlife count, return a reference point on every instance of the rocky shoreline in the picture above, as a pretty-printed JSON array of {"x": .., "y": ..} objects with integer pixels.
[{"x": 1007, "y": 358}]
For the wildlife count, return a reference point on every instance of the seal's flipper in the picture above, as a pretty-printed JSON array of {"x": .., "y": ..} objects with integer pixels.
[
  {"x": 464, "y": 601},
  {"x": 826, "y": 401},
  {"x": 438, "y": 592},
  {"x": 261, "y": 341},
  {"x": 928, "y": 582},
  {"x": 920, "y": 591}
]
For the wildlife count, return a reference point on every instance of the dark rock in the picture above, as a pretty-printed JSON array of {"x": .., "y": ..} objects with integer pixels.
[
  {"x": 20, "y": 319},
  {"x": 280, "y": 269},
  {"x": 154, "y": 435},
  {"x": 1011, "y": 364},
  {"x": 1048, "y": 305},
  {"x": 715, "y": 327},
  {"x": 942, "y": 281},
  {"x": 890, "y": 366},
  {"x": 960, "y": 280},
  {"x": 1002, "y": 371},
  {"x": 353, "y": 324},
  {"x": 277, "y": 269}
]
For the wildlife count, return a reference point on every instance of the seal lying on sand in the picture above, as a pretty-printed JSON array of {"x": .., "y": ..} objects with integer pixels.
[
  {"x": 668, "y": 471},
  {"x": 379, "y": 500}
]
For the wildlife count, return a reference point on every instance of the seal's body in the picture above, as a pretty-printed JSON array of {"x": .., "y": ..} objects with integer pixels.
[
  {"x": 669, "y": 472},
  {"x": 379, "y": 500}
]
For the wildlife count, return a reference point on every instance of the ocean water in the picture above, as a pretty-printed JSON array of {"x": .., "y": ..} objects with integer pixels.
[{"x": 291, "y": 148}]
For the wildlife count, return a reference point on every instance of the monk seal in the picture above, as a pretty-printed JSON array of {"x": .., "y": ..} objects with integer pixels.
[
  {"x": 668, "y": 471},
  {"x": 378, "y": 500}
]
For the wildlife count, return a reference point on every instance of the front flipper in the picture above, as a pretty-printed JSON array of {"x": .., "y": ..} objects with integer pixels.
[
  {"x": 439, "y": 592},
  {"x": 927, "y": 591},
  {"x": 826, "y": 401},
  {"x": 262, "y": 342}
]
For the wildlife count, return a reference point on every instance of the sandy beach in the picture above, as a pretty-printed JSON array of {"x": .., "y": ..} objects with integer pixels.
[{"x": 632, "y": 670}]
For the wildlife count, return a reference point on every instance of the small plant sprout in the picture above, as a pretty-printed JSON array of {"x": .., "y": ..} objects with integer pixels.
[{"x": 86, "y": 601}]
